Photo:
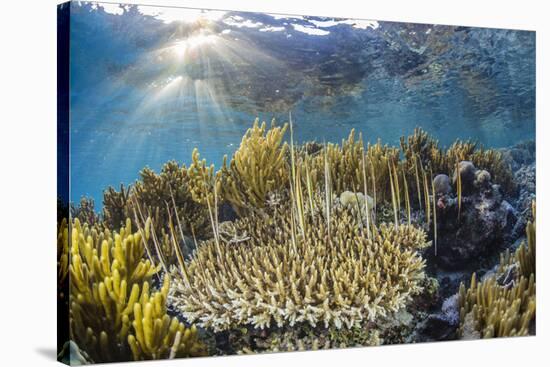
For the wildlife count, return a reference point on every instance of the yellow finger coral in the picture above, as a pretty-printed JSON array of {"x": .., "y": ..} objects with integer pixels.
[
  {"x": 421, "y": 146},
  {"x": 158, "y": 336},
  {"x": 149, "y": 196},
  {"x": 278, "y": 276},
  {"x": 62, "y": 283},
  {"x": 526, "y": 253},
  {"x": 62, "y": 251},
  {"x": 202, "y": 179},
  {"x": 496, "y": 310},
  {"x": 257, "y": 168},
  {"x": 109, "y": 284}
]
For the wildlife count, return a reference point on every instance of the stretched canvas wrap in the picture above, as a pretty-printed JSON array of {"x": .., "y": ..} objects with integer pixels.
[{"x": 235, "y": 183}]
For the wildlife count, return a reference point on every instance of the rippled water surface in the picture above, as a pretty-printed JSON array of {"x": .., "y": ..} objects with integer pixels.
[{"x": 149, "y": 84}]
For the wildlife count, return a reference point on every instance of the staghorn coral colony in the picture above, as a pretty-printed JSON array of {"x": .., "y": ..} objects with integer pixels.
[
  {"x": 277, "y": 278},
  {"x": 300, "y": 246}
]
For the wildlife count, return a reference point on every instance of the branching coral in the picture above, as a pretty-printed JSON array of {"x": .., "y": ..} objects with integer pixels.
[
  {"x": 375, "y": 170},
  {"x": 312, "y": 254},
  {"x": 114, "y": 315},
  {"x": 260, "y": 170},
  {"x": 203, "y": 180},
  {"x": 420, "y": 147},
  {"x": 352, "y": 166},
  {"x": 526, "y": 253},
  {"x": 497, "y": 310},
  {"x": 116, "y": 206},
  {"x": 282, "y": 277},
  {"x": 85, "y": 211},
  {"x": 156, "y": 335},
  {"x": 523, "y": 260},
  {"x": 257, "y": 168},
  {"x": 151, "y": 194},
  {"x": 62, "y": 252},
  {"x": 62, "y": 283},
  {"x": 345, "y": 164},
  {"x": 171, "y": 186}
]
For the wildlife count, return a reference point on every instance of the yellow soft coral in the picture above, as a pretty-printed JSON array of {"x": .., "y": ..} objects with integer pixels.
[
  {"x": 498, "y": 311},
  {"x": 258, "y": 167},
  {"x": 156, "y": 335},
  {"x": 109, "y": 282}
]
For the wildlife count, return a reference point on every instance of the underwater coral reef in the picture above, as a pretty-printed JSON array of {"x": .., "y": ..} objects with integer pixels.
[{"x": 303, "y": 246}]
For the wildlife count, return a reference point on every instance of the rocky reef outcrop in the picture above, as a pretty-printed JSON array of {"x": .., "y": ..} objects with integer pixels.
[
  {"x": 474, "y": 224},
  {"x": 521, "y": 159},
  {"x": 440, "y": 325},
  {"x": 489, "y": 221},
  {"x": 521, "y": 154}
]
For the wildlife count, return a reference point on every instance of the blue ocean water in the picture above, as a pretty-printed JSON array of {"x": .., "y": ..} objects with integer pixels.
[{"x": 149, "y": 84}]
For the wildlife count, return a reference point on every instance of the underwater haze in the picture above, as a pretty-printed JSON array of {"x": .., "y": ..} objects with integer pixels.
[{"x": 150, "y": 84}]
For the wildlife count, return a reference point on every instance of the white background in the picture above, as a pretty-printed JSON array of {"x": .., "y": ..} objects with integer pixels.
[{"x": 28, "y": 181}]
